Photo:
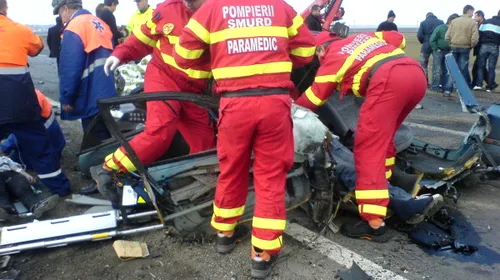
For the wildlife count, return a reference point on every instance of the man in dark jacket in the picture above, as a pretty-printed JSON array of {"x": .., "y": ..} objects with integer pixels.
[
  {"x": 313, "y": 20},
  {"x": 54, "y": 40},
  {"x": 489, "y": 50},
  {"x": 107, "y": 16},
  {"x": 424, "y": 35},
  {"x": 441, "y": 80},
  {"x": 479, "y": 17},
  {"x": 389, "y": 24}
]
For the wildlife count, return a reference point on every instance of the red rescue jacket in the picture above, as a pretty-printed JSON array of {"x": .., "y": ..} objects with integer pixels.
[
  {"x": 347, "y": 64},
  {"x": 158, "y": 36},
  {"x": 253, "y": 45}
]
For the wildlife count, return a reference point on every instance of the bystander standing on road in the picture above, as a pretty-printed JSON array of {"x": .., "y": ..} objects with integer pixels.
[
  {"x": 107, "y": 16},
  {"x": 441, "y": 80},
  {"x": 479, "y": 17},
  {"x": 313, "y": 20},
  {"x": 85, "y": 47},
  {"x": 488, "y": 52},
  {"x": 424, "y": 35},
  {"x": 144, "y": 13},
  {"x": 54, "y": 40},
  {"x": 463, "y": 36},
  {"x": 389, "y": 24}
]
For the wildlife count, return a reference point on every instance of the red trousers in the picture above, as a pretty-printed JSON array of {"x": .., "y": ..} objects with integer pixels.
[
  {"x": 163, "y": 119},
  {"x": 262, "y": 125},
  {"x": 394, "y": 90}
]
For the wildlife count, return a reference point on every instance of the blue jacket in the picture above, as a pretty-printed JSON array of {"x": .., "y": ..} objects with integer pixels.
[
  {"x": 425, "y": 32},
  {"x": 85, "y": 46}
]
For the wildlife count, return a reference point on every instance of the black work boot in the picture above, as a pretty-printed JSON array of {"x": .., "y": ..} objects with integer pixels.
[
  {"x": 44, "y": 205},
  {"x": 262, "y": 263},
  {"x": 8, "y": 213},
  {"x": 104, "y": 182},
  {"x": 89, "y": 189},
  {"x": 363, "y": 230},
  {"x": 226, "y": 241}
]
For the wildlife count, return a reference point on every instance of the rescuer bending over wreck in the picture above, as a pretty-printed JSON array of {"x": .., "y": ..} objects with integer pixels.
[
  {"x": 158, "y": 36},
  {"x": 374, "y": 66}
]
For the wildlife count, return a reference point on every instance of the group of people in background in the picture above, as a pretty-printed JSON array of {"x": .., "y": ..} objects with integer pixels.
[{"x": 460, "y": 35}]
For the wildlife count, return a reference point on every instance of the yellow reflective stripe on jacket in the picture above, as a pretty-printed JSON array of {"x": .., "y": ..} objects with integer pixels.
[
  {"x": 326, "y": 79},
  {"x": 390, "y": 161},
  {"x": 199, "y": 30},
  {"x": 188, "y": 54},
  {"x": 350, "y": 60},
  {"x": 356, "y": 82},
  {"x": 294, "y": 29},
  {"x": 388, "y": 174},
  {"x": 373, "y": 209},
  {"x": 195, "y": 74},
  {"x": 222, "y": 226},
  {"x": 109, "y": 163},
  {"x": 265, "y": 223},
  {"x": 143, "y": 38},
  {"x": 152, "y": 27},
  {"x": 251, "y": 70},
  {"x": 303, "y": 52},
  {"x": 173, "y": 39},
  {"x": 267, "y": 244},
  {"x": 229, "y": 213},
  {"x": 313, "y": 98},
  {"x": 124, "y": 160},
  {"x": 372, "y": 194},
  {"x": 403, "y": 43},
  {"x": 248, "y": 32}
]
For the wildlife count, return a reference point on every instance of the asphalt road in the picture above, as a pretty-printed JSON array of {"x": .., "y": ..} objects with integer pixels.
[{"x": 440, "y": 122}]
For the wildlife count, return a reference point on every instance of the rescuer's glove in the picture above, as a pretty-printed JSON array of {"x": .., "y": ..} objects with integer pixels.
[{"x": 111, "y": 64}]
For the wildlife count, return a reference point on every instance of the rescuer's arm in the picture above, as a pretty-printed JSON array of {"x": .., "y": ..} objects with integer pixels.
[
  {"x": 301, "y": 40},
  {"x": 132, "y": 49},
  {"x": 35, "y": 43},
  {"x": 194, "y": 40},
  {"x": 72, "y": 64},
  {"x": 323, "y": 87}
]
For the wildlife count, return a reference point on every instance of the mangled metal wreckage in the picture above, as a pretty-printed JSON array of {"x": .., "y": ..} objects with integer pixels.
[{"x": 177, "y": 191}]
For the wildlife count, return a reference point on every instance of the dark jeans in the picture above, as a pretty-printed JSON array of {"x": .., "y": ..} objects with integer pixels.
[
  {"x": 16, "y": 186},
  {"x": 424, "y": 62},
  {"x": 487, "y": 57},
  {"x": 440, "y": 73},
  {"x": 462, "y": 56},
  {"x": 475, "y": 81},
  {"x": 98, "y": 130}
]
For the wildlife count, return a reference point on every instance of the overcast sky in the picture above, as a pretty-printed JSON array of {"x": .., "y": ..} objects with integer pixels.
[{"x": 358, "y": 12}]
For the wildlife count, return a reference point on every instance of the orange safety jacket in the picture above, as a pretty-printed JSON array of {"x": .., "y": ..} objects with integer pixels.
[
  {"x": 253, "y": 45},
  {"x": 17, "y": 41},
  {"x": 158, "y": 36},
  {"x": 347, "y": 64},
  {"x": 44, "y": 104}
]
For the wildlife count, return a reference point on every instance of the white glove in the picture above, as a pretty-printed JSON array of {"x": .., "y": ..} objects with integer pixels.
[{"x": 111, "y": 64}]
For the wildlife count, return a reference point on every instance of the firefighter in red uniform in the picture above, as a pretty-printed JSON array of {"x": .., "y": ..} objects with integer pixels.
[
  {"x": 374, "y": 66},
  {"x": 164, "y": 118},
  {"x": 253, "y": 48}
]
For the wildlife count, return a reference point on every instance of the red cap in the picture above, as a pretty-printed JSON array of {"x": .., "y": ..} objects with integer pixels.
[{"x": 324, "y": 37}]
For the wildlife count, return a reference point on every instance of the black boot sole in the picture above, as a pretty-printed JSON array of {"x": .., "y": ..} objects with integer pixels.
[{"x": 370, "y": 237}]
